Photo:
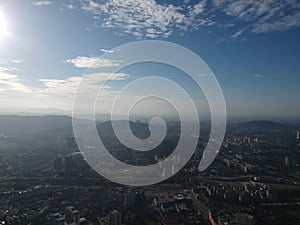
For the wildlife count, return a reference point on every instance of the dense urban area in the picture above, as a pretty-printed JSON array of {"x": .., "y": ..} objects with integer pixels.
[{"x": 255, "y": 178}]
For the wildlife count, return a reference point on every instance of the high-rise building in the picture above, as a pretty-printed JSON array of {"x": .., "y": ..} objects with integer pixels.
[
  {"x": 76, "y": 217},
  {"x": 58, "y": 164},
  {"x": 114, "y": 218},
  {"x": 68, "y": 214},
  {"x": 69, "y": 164},
  {"x": 129, "y": 198},
  {"x": 298, "y": 135},
  {"x": 72, "y": 215},
  {"x": 247, "y": 140},
  {"x": 57, "y": 219},
  {"x": 289, "y": 161}
]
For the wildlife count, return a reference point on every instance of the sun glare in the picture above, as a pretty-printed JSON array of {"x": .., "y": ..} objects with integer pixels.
[{"x": 3, "y": 25}]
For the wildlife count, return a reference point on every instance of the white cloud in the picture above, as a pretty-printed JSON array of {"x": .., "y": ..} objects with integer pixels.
[
  {"x": 106, "y": 51},
  {"x": 57, "y": 93},
  {"x": 41, "y": 3},
  {"x": 16, "y": 60},
  {"x": 71, "y": 6},
  {"x": 262, "y": 16},
  {"x": 149, "y": 18},
  {"x": 60, "y": 86},
  {"x": 91, "y": 83},
  {"x": 136, "y": 17},
  {"x": 10, "y": 82},
  {"x": 237, "y": 34},
  {"x": 285, "y": 23},
  {"x": 4, "y": 69},
  {"x": 257, "y": 75},
  {"x": 9, "y": 61},
  {"x": 198, "y": 8},
  {"x": 100, "y": 77},
  {"x": 92, "y": 62}
]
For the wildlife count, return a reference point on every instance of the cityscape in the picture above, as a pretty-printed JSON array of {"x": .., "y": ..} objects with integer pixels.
[
  {"x": 254, "y": 179},
  {"x": 149, "y": 112}
]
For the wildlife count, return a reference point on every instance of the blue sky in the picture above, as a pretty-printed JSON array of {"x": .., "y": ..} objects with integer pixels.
[{"x": 251, "y": 46}]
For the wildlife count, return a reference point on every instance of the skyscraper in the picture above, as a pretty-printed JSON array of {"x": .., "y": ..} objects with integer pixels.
[
  {"x": 72, "y": 215},
  {"x": 114, "y": 218},
  {"x": 58, "y": 164},
  {"x": 129, "y": 198}
]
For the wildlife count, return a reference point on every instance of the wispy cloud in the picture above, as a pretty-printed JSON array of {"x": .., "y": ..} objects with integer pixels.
[
  {"x": 238, "y": 34},
  {"x": 151, "y": 19},
  {"x": 60, "y": 86},
  {"x": 71, "y": 6},
  {"x": 92, "y": 62},
  {"x": 90, "y": 84},
  {"x": 145, "y": 18},
  {"x": 9, "y": 61},
  {"x": 40, "y": 3},
  {"x": 106, "y": 51},
  {"x": 58, "y": 93},
  {"x": 10, "y": 81},
  {"x": 262, "y": 16}
]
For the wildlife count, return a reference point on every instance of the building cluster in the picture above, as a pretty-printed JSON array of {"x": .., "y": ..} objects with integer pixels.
[
  {"x": 242, "y": 179},
  {"x": 27, "y": 205},
  {"x": 244, "y": 194},
  {"x": 220, "y": 218},
  {"x": 16, "y": 216},
  {"x": 70, "y": 164},
  {"x": 238, "y": 163},
  {"x": 175, "y": 208},
  {"x": 71, "y": 216}
]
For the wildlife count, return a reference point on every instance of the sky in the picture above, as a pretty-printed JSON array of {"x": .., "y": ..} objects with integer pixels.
[{"x": 252, "y": 47}]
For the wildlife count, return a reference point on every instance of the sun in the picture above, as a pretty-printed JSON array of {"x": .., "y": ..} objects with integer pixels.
[{"x": 3, "y": 26}]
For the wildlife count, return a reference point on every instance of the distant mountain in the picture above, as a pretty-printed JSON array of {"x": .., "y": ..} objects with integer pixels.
[
  {"x": 270, "y": 128},
  {"x": 266, "y": 124},
  {"x": 55, "y": 125},
  {"x": 29, "y": 125},
  {"x": 140, "y": 129}
]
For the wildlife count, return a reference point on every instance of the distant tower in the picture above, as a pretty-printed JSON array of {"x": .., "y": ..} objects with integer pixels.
[
  {"x": 72, "y": 215},
  {"x": 129, "y": 198},
  {"x": 69, "y": 164},
  {"x": 289, "y": 162},
  {"x": 286, "y": 161},
  {"x": 114, "y": 218},
  {"x": 76, "y": 217},
  {"x": 58, "y": 164},
  {"x": 298, "y": 135}
]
